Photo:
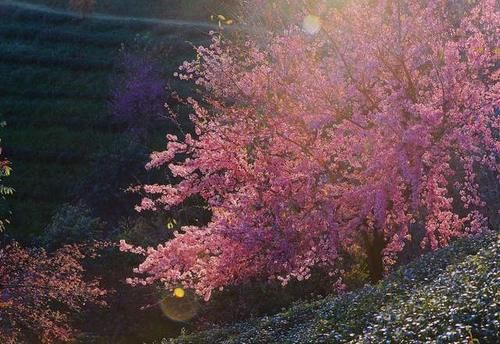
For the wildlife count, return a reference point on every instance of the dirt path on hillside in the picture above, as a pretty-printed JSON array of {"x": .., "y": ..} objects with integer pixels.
[{"x": 106, "y": 17}]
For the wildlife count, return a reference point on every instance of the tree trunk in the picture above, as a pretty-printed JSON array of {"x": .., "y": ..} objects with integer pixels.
[{"x": 374, "y": 245}]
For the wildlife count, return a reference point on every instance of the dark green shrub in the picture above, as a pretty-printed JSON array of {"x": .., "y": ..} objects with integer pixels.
[{"x": 72, "y": 224}]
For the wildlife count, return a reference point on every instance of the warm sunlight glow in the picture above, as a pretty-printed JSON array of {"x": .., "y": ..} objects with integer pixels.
[
  {"x": 179, "y": 293},
  {"x": 311, "y": 24}
]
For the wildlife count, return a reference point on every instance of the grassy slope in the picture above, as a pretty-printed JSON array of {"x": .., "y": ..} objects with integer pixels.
[
  {"x": 54, "y": 85},
  {"x": 448, "y": 296}
]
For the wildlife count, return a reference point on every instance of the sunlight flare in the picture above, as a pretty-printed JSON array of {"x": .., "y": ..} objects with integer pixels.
[
  {"x": 180, "y": 306},
  {"x": 179, "y": 293},
  {"x": 311, "y": 24}
]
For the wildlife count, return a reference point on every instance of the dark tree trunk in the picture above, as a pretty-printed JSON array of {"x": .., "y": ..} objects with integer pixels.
[
  {"x": 412, "y": 248},
  {"x": 374, "y": 245}
]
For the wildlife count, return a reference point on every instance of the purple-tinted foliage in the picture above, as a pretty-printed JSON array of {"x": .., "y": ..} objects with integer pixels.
[{"x": 139, "y": 97}]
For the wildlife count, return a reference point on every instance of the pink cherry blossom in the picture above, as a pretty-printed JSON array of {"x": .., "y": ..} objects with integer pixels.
[{"x": 307, "y": 142}]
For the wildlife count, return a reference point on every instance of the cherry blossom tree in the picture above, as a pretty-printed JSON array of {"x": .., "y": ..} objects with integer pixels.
[
  {"x": 39, "y": 292},
  {"x": 348, "y": 126}
]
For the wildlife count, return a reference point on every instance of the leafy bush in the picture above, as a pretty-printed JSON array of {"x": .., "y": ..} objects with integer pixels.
[
  {"x": 5, "y": 170},
  {"x": 447, "y": 296},
  {"x": 146, "y": 230},
  {"x": 71, "y": 224}
]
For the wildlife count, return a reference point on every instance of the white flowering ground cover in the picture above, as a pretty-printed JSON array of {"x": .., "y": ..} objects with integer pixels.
[{"x": 448, "y": 296}]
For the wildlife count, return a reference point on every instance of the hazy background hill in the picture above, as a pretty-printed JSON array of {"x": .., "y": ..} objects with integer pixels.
[
  {"x": 185, "y": 9},
  {"x": 56, "y": 78}
]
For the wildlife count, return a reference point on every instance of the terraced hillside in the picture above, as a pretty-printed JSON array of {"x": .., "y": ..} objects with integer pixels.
[
  {"x": 55, "y": 72},
  {"x": 187, "y": 9}
]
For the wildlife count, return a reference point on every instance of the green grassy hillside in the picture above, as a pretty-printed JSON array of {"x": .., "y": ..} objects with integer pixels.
[
  {"x": 55, "y": 73},
  {"x": 448, "y": 296}
]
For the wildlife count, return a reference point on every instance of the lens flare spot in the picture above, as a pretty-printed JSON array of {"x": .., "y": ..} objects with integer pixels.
[
  {"x": 180, "y": 306},
  {"x": 179, "y": 293},
  {"x": 311, "y": 24}
]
